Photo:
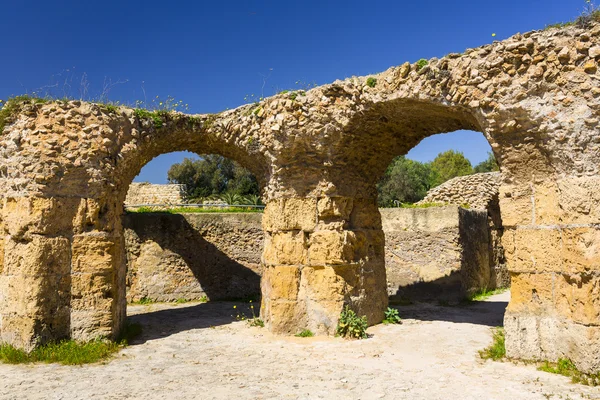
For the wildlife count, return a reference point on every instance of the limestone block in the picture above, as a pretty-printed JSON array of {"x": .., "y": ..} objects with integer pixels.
[
  {"x": 284, "y": 316},
  {"x": 365, "y": 214},
  {"x": 516, "y": 205},
  {"x": 578, "y": 298},
  {"x": 42, "y": 256},
  {"x": 581, "y": 250},
  {"x": 94, "y": 253},
  {"x": 289, "y": 247},
  {"x": 335, "y": 247},
  {"x": 547, "y": 208},
  {"x": 533, "y": 250},
  {"x": 25, "y": 216},
  {"x": 290, "y": 214},
  {"x": 88, "y": 325},
  {"x": 532, "y": 293},
  {"x": 281, "y": 282},
  {"x": 579, "y": 200},
  {"x": 334, "y": 208},
  {"x": 329, "y": 283}
]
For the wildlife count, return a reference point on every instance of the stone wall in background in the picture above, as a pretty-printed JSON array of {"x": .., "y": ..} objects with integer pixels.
[
  {"x": 149, "y": 193},
  {"x": 436, "y": 252},
  {"x": 188, "y": 256},
  {"x": 479, "y": 191},
  {"x": 431, "y": 253}
]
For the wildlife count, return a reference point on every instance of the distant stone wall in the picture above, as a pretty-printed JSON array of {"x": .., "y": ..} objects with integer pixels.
[
  {"x": 188, "y": 256},
  {"x": 149, "y": 193},
  {"x": 438, "y": 252},
  {"x": 479, "y": 191},
  {"x": 476, "y": 190}
]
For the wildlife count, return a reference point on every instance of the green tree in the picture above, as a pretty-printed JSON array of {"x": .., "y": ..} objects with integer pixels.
[
  {"x": 487, "y": 165},
  {"x": 404, "y": 180},
  {"x": 213, "y": 175},
  {"x": 448, "y": 165}
]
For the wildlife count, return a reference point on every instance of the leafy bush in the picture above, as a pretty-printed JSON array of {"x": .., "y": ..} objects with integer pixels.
[
  {"x": 305, "y": 333},
  {"x": 371, "y": 82},
  {"x": 421, "y": 63},
  {"x": 392, "y": 316},
  {"x": 351, "y": 325}
]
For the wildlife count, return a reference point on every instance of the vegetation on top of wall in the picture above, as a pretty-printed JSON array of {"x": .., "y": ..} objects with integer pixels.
[
  {"x": 371, "y": 82},
  {"x": 11, "y": 107},
  {"x": 590, "y": 14},
  {"x": 194, "y": 210}
]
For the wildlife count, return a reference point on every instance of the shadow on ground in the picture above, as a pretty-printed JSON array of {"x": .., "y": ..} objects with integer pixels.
[
  {"x": 488, "y": 313},
  {"x": 165, "y": 319}
]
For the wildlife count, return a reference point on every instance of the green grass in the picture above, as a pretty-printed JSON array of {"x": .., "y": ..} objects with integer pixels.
[
  {"x": 11, "y": 107},
  {"x": 483, "y": 294},
  {"x": 567, "y": 368},
  {"x": 421, "y": 64},
  {"x": 155, "y": 116},
  {"x": 305, "y": 333},
  {"x": 195, "y": 210},
  {"x": 497, "y": 350},
  {"x": 71, "y": 352}
]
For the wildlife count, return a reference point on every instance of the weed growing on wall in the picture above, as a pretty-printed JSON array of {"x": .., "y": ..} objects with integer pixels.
[{"x": 305, "y": 333}]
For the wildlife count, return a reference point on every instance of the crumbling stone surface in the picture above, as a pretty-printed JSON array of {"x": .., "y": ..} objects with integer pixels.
[
  {"x": 476, "y": 191},
  {"x": 65, "y": 168},
  {"x": 149, "y": 193}
]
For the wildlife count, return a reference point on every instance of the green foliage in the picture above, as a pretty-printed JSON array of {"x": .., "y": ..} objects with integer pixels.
[
  {"x": 420, "y": 205},
  {"x": 11, "y": 107},
  {"x": 391, "y": 316},
  {"x": 488, "y": 165},
  {"x": 351, "y": 325},
  {"x": 497, "y": 350},
  {"x": 405, "y": 180},
  {"x": 252, "y": 320},
  {"x": 213, "y": 175},
  {"x": 371, "y": 82},
  {"x": 155, "y": 116},
  {"x": 567, "y": 368},
  {"x": 483, "y": 294},
  {"x": 305, "y": 333},
  {"x": 421, "y": 63},
  {"x": 448, "y": 165},
  {"x": 194, "y": 210}
]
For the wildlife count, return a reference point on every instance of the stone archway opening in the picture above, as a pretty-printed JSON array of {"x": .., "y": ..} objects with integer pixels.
[{"x": 441, "y": 219}]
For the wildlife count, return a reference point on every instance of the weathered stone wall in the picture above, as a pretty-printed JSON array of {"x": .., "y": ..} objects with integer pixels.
[
  {"x": 435, "y": 252},
  {"x": 149, "y": 193},
  {"x": 65, "y": 168},
  {"x": 479, "y": 191},
  {"x": 188, "y": 256},
  {"x": 431, "y": 253}
]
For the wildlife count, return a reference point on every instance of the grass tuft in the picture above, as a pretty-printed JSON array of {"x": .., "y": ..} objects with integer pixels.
[
  {"x": 305, "y": 333},
  {"x": 497, "y": 350},
  {"x": 11, "y": 107}
]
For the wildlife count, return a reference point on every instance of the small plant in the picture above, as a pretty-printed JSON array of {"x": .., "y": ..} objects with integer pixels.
[
  {"x": 67, "y": 352},
  {"x": 421, "y": 64},
  {"x": 391, "y": 316},
  {"x": 181, "y": 300},
  {"x": 203, "y": 299},
  {"x": 144, "y": 301},
  {"x": 305, "y": 333},
  {"x": 252, "y": 321},
  {"x": 497, "y": 350},
  {"x": 371, "y": 82},
  {"x": 351, "y": 325},
  {"x": 154, "y": 116},
  {"x": 567, "y": 368}
]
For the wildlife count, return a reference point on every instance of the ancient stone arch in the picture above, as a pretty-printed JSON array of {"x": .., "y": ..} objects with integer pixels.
[{"x": 65, "y": 169}]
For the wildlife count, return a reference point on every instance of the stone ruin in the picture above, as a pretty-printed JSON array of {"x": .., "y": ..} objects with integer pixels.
[
  {"x": 66, "y": 167},
  {"x": 144, "y": 193}
]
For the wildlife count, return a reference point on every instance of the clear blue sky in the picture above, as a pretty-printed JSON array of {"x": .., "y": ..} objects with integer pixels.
[{"x": 212, "y": 54}]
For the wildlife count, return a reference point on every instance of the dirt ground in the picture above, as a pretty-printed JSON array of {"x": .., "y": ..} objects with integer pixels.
[{"x": 199, "y": 351}]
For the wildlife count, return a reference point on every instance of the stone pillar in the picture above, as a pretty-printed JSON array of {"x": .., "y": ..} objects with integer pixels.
[
  {"x": 321, "y": 254},
  {"x": 552, "y": 244}
]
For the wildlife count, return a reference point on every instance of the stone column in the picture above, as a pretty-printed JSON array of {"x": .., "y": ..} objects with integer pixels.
[
  {"x": 320, "y": 254},
  {"x": 552, "y": 243}
]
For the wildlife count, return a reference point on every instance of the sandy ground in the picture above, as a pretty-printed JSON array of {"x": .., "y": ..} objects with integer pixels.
[{"x": 198, "y": 351}]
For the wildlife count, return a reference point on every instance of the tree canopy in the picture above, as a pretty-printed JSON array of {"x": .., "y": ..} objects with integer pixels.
[{"x": 213, "y": 175}]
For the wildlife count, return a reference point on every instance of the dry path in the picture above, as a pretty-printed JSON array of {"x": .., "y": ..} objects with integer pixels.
[{"x": 198, "y": 351}]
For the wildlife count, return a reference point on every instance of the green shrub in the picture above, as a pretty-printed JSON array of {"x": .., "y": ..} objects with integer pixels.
[
  {"x": 371, "y": 82},
  {"x": 351, "y": 325},
  {"x": 497, "y": 350},
  {"x": 567, "y": 368},
  {"x": 421, "y": 63},
  {"x": 392, "y": 316},
  {"x": 305, "y": 333}
]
